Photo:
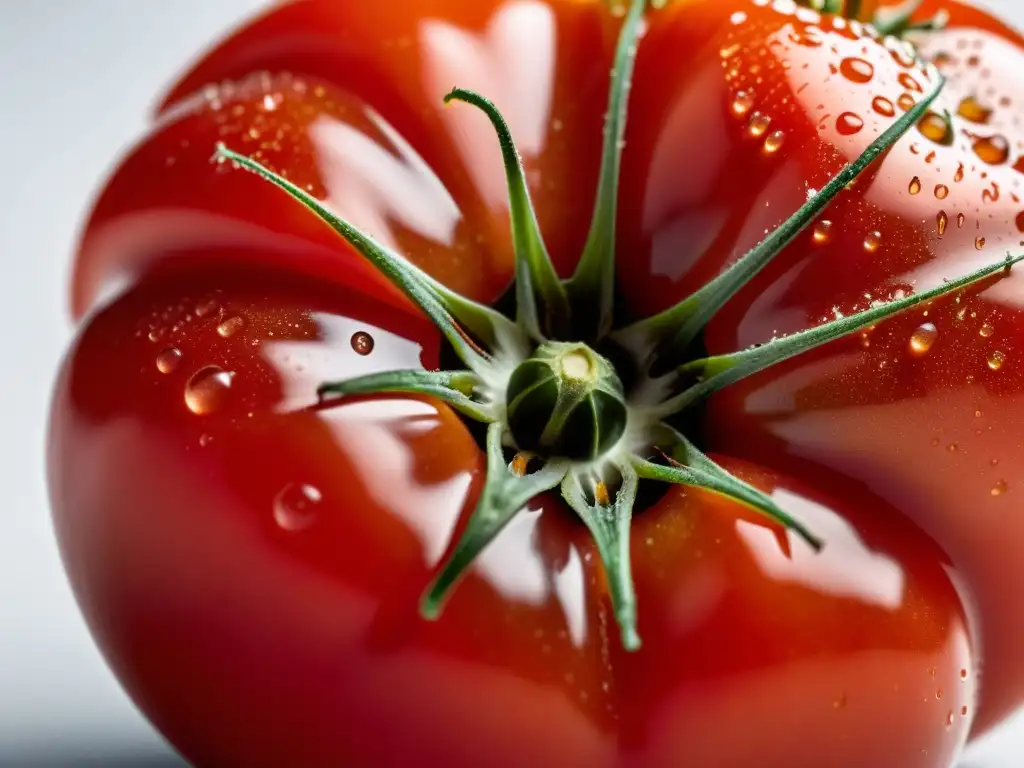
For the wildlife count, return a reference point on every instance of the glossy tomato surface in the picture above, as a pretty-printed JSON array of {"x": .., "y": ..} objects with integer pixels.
[{"x": 251, "y": 564}]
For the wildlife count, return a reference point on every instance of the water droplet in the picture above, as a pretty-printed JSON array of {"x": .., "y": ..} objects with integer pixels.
[
  {"x": 295, "y": 507},
  {"x": 742, "y": 103},
  {"x": 229, "y": 326},
  {"x": 907, "y": 81},
  {"x": 941, "y": 220},
  {"x": 963, "y": 674},
  {"x": 960, "y": 219},
  {"x": 938, "y": 693},
  {"x": 906, "y": 102},
  {"x": 994, "y": 150},
  {"x": 849, "y": 123},
  {"x": 999, "y": 488},
  {"x": 774, "y": 142},
  {"x": 959, "y": 175},
  {"x": 873, "y": 241},
  {"x": 979, "y": 243},
  {"x": 758, "y": 125},
  {"x": 996, "y": 360},
  {"x": 963, "y": 710},
  {"x": 362, "y": 343},
  {"x": 934, "y": 127},
  {"x": 822, "y": 232},
  {"x": 949, "y": 719},
  {"x": 915, "y": 186},
  {"x": 935, "y": 442},
  {"x": 953, "y": 447},
  {"x": 155, "y": 335},
  {"x": 840, "y": 703},
  {"x": 987, "y": 331},
  {"x": 205, "y": 440},
  {"x": 922, "y": 339},
  {"x": 207, "y": 390},
  {"x": 857, "y": 70},
  {"x": 168, "y": 360},
  {"x": 941, "y": 191},
  {"x": 207, "y": 308},
  {"x": 730, "y": 50},
  {"x": 883, "y": 106},
  {"x": 971, "y": 109}
]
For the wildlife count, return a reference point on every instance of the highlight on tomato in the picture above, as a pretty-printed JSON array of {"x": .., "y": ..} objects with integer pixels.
[{"x": 557, "y": 382}]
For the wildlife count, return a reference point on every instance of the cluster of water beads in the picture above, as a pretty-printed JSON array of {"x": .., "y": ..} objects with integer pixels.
[{"x": 295, "y": 507}]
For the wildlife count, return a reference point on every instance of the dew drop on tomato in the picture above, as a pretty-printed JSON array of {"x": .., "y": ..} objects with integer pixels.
[
  {"x": 849, "y": 123},
  {"x": 742, "y": 103},
  {"x": 362, "y": 343},
  {"x": 994, "y": 150},
  {"x": 207, "y": 307},
  {"x": 999, "y": 488},
  {"x": 959, "y": 175},
  {"x": 934, "y": 128},
  {"x": 167, "y": 361},
  {"x": 997, "y": 360},
  {"x": 979, "y": 243},
  {"x": 857, "y": 70},
  {"x": 941, "y": 191},
  {"x": 229, "y": 326},
  {"x": 296, "y": 506},
  {"x": 915, "y": 186},
  {"x": 774, "y": 142},
  {"x": 873, "y": 241},
  {"x": 758, "y": 125},
  {"x": 987, "y": 330},
  {"x": 906, "y": 102},
  {"x": 941, "y": 222},
  {"x": 822, "y": 232},
  {"x": 922, "y": 339},
  {"x": 207, "y": 390},
  {"x": 960, "y": 219},
  {"x": 971, "y": 109},
  {"x": 907, "y": 81},
  {"x": 883, "y": 106}
]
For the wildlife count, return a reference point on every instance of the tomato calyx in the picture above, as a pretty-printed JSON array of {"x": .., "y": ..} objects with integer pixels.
[
  {"x": 551, "y": 400},
  {"x": 895, "y": 21}
]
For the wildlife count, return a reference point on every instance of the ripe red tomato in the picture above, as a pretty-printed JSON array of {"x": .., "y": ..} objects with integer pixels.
[{"x": 251, "y": 566}]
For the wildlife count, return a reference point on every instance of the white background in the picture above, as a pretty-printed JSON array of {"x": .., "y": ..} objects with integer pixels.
[{"x": 76, "y": 80}]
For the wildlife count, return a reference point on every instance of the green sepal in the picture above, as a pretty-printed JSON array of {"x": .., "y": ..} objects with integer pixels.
[
  {"x": 716, "y": 373},
  {"x": 670, "y": 333},
  {"x": 690, "y": 467},
  {"x": 592, "y": 286},
  {"x": 456, "y": 388},
  {"x": 445, "y": 308},
  {"x": 503, "y": 496},
  {"x": 610, "y": 526},
  {"x": 835, "y": 7},
  {"x": 543, "y": 305},
  {"x": 896, "y": 20}
]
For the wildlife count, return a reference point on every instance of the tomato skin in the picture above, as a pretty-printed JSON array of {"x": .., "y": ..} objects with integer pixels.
[
  {"x": 869, "y": 408},
  {"x": 249, "y": 641},
  {"x": 251, "y": 637}
]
